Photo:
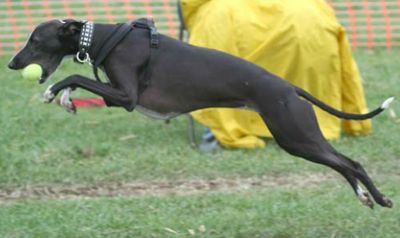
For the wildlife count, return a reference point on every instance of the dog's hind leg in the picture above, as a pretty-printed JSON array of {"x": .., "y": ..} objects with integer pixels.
[
  {"x": 362, "y": 175},
  {"x": 293, "y": 123}
]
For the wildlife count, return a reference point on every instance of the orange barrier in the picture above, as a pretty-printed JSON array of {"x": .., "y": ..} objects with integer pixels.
[
  {"x": 369, "y": 23},
  {"x": 19, "y": 17}
]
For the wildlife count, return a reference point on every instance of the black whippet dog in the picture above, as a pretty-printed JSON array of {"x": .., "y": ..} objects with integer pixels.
[{"x": 164, "y": 77}]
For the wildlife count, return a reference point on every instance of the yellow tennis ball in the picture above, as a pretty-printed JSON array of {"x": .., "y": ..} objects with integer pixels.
[{"x": 32, "y": 72}]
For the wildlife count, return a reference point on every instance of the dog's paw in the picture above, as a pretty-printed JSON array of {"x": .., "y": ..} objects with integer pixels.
[
  {"x": 366, "y": 200},
  {"x": 48, "y": 95},
  {"x": 364, "y": 197},
  {"x": 386, "y": 202},
  {"x": 66, "y": 102}
]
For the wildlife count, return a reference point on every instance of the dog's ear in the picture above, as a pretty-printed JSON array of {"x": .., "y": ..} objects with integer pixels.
[{"x": 70, "y": 28}]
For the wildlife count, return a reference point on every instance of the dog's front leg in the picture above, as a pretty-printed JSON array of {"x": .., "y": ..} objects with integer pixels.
[
  {"x": 113, "y": 97},
  {"x": 66, "y": 102}
]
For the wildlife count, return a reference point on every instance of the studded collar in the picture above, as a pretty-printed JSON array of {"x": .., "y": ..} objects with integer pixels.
[{"x": 85, "y": 42}]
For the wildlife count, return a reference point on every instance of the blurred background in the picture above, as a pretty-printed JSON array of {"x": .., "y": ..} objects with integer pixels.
[{"x": 369, "y": 23}]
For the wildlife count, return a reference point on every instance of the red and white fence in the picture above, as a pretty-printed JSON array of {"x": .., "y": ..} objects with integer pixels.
[{"x": 369, "y": 23}]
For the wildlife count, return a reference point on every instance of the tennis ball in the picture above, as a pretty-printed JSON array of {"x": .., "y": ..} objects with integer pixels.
[{"x": 32, "y": 72}]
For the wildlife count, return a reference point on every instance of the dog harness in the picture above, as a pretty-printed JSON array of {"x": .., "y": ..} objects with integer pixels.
[{"x": 111, "y": 40}]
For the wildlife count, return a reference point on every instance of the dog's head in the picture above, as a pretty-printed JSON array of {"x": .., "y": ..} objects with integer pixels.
[{"x": 47, "y": 45}]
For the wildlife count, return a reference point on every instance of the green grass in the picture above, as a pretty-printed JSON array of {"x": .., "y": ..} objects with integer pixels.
[
  {"x": 316, "y": 211},
  {"x": 41, "y": 144}
]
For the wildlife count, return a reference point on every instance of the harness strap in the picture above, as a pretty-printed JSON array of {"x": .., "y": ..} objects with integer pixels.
[
  {"x": 144, "y": 23},
  {"x": 108, "y": 44},
  {"x": 119, "y": 33}
]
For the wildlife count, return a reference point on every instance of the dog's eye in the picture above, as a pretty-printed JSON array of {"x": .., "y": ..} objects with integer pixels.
[{"x": 34, "y": 39}]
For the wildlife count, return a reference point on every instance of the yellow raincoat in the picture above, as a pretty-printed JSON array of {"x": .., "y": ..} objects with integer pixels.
[{"x": 299, "y": 40}]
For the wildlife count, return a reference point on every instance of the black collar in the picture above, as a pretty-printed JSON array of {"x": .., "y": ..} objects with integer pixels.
[{"x": 85, "y": 42}]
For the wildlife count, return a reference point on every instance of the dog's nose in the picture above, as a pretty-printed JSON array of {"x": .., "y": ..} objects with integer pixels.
[{"x": 12, "y": 64}]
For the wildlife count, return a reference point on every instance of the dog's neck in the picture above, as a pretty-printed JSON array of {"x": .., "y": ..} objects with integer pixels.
[
  {"x": 101, "y": 31},
  {"x": 90, "y": 41}
]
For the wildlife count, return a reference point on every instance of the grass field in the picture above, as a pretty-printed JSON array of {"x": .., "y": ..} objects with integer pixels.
[{"x": 41, "y": 146}]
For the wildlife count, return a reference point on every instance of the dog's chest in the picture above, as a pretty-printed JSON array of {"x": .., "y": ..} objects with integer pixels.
[{"x": 156, "y": 115}]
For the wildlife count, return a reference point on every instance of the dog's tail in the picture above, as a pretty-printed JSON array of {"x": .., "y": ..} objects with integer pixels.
[{"x": 340, "y": 114}]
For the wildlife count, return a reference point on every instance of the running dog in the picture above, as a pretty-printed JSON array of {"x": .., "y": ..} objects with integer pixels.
[{"x": 163, "y": 78}]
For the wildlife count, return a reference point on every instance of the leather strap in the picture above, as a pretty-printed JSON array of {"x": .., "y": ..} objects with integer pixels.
[
  {"x": 144, "y": 23},
  {"x": 114, "y": 38}
]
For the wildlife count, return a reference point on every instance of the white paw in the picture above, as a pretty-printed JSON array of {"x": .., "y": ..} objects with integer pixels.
[
  {"x": 48, "y": 95},
  {"x": 65, "y": 101},
  {"x": 364, "y": 197}
]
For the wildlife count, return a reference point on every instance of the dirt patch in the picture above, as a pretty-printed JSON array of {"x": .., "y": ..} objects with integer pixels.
[{"x": 159, "y": 188}]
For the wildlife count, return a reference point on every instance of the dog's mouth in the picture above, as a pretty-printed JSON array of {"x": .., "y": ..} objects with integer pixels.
[
  {"x": 44, "y": 77},
  {"x": 49, "y": 69}
]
